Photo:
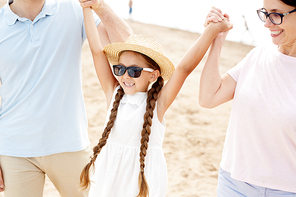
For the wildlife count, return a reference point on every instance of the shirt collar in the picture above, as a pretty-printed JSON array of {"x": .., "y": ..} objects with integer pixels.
[
  {"x": 134, "y": 99},
  {"x": 49, "y": 8}
]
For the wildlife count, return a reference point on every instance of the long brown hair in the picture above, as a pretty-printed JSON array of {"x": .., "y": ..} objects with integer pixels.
[
  {"x": 84, "y": 177},
  {"x": 151, "y": 101},
  {"x": 148, "y": 116}
]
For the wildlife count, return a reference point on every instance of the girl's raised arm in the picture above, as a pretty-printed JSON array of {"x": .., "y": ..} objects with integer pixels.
[
  {"x": 188, "y": 63},
  {"x": 103, "y": 70}
]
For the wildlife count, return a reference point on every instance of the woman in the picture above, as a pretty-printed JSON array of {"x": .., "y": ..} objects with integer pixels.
[{"x": 259, "y": 156}]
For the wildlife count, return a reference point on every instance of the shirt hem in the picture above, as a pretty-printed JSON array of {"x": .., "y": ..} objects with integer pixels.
[{"x": 80, "y": 148}]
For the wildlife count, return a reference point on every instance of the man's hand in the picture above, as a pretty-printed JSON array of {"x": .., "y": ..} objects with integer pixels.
[
  {"x": 1, "y": 181},
  {"x": 94, "y": 4}
]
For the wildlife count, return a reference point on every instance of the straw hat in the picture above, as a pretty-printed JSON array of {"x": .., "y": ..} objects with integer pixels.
[{"x": 144, "y": 45}]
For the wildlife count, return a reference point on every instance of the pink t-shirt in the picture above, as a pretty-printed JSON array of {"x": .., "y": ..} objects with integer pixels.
[{"x": 260, "y": 145}]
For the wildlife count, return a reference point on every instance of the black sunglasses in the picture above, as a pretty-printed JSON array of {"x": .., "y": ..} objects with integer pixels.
[
  {"x": 275, "y": 18},
  {"x": 133, "y": 71}
]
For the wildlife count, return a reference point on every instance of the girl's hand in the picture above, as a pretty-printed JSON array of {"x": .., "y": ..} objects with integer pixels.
[
  {"x": 215, "y": 15},
  {"x": 94, "y": 4},
  {"x": 226, "y": 25}
]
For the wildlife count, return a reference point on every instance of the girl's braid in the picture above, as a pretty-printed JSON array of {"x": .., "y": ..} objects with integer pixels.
[
  {"x": 84, "y": 177},
  {"x": 151, "y": 101}
]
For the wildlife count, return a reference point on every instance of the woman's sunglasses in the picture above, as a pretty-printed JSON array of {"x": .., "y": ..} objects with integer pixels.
[
  {"x": 133, "y": 71},
  {"x": 275, "y": 18}
]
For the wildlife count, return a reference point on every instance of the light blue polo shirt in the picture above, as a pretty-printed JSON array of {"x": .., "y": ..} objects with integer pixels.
[{"x": 42, "y": 109}]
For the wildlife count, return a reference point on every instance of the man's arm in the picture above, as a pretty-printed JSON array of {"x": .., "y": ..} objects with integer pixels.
[
  {"x": 1, "y": 181},
  {"x": 112, "y": 28}
]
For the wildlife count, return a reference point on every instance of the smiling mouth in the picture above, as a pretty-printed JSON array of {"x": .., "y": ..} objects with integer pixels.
[
  {"x": 128, "y": 84},
  {"x": 276, "y": 33}
]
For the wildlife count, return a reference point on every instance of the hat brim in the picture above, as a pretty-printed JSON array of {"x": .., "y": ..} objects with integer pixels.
[{"x": 113, "y": 50}]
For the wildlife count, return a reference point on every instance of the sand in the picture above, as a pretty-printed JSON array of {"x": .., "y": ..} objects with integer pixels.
[{"x": 194, "y": 135}]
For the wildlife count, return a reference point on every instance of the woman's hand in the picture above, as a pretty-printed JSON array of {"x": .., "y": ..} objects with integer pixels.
[{"x": 215, "y": 16}]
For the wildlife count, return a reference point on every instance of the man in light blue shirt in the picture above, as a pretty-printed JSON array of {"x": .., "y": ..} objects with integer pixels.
[{"x": 43, "y": 126}]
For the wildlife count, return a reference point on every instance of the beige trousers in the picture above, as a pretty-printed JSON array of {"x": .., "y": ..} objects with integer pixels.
[{"x": 25, "y": 177}]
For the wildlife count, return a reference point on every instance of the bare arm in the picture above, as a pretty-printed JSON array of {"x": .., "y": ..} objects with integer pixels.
[
  {"x": 214, "y": 88},
  {"x": 104, "y": 72},
  {"x": 188, "y": 63},
  {"x": 112, "y": 28},
  {"x": 117, "y": 29},
  {"x": 1, "y": 181}
]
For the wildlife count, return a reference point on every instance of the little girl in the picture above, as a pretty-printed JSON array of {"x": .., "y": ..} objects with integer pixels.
[{"x": 128, "y": 160}]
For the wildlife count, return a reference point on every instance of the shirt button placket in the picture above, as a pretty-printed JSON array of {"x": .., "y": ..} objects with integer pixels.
[{"x": 33, "y": 33}]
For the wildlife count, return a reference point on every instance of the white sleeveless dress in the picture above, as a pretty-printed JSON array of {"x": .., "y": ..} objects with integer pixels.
[{"x": 117, "y": 167}]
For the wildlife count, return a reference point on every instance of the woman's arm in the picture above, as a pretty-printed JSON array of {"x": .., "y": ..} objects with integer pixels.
[{"x": 214, "y": 88}]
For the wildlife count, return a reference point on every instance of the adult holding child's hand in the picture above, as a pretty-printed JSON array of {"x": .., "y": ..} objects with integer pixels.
[
  {"x": 93, "y": 4},
  {"x": 215, "y": 15},
  {"x": 109, "y": 22}
]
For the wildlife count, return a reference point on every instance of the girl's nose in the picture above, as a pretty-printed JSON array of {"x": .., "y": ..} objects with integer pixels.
[{"x": 126, "y": 75}]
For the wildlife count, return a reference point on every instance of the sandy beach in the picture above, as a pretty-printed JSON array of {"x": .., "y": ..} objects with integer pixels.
[{"x": 194, "y": 135}]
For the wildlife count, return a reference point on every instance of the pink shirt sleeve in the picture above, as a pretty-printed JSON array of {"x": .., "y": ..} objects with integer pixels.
[{"x": 236, "y": 70}]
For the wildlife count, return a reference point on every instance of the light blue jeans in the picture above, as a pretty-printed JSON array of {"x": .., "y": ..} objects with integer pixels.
[{"x": 229, "y": 187}]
